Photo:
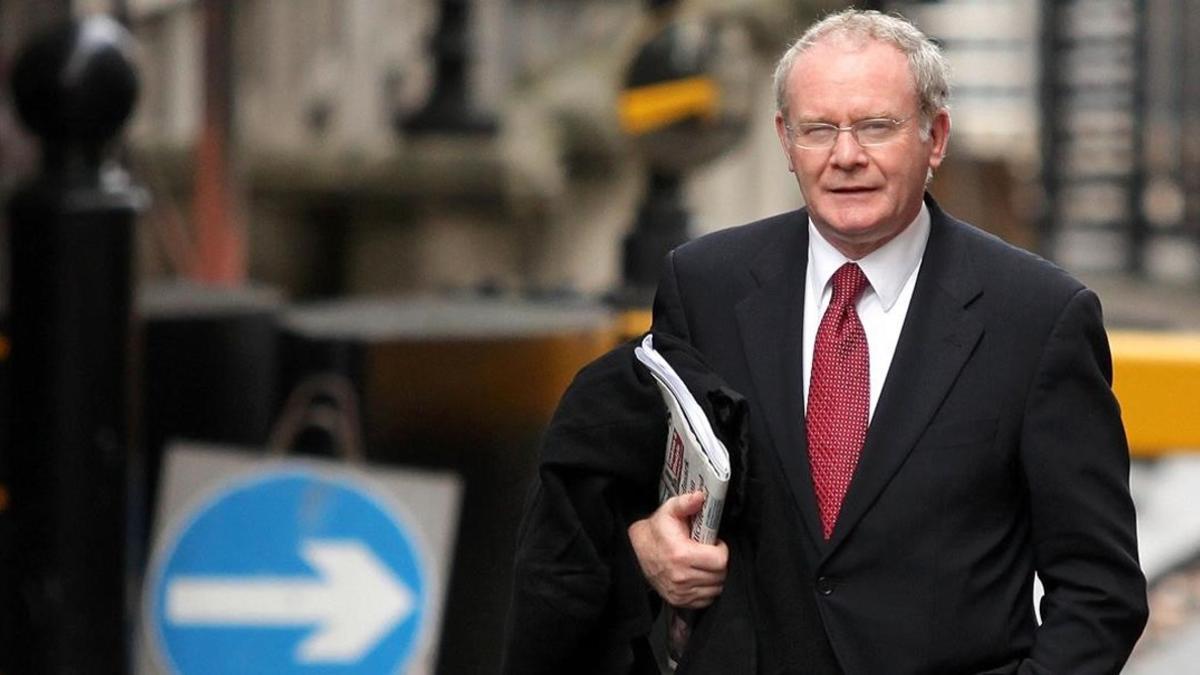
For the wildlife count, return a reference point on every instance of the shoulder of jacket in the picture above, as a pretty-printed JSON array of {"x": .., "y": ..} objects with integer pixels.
[
  {"x": 1022, "y": 272},
  {"x": 741, "y": 243}
]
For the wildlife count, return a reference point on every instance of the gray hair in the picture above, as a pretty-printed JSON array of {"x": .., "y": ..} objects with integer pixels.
[{"x": 925, "y": 59}]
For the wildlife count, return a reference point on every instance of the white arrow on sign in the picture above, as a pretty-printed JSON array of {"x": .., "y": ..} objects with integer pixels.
[{"x": 355, "y": 600}]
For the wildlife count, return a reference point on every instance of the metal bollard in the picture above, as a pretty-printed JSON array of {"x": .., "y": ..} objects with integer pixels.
[
  {"x": 449, "y": 109},
  {"x": 70, "y": 455}
]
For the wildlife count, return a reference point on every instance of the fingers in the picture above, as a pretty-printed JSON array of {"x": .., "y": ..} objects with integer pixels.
[
  {"x": 685, "y": 573},
  {"x": 697, "y": 598},
  {"x": 685, "y": 505},
  {"x": 710, "y": 557},
  {"x": 692, "y": 595}
]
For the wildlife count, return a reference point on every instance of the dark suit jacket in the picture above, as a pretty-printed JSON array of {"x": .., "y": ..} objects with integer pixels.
[{"x": 996, "y": 450}]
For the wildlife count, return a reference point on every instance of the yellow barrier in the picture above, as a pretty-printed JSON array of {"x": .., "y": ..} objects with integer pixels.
[
  {"x": 632, "y": 323},
  {"x": 1156, "y": 377}
]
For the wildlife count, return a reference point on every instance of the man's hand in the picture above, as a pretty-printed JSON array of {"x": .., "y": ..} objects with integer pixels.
[{"x": 685, "y": 573}]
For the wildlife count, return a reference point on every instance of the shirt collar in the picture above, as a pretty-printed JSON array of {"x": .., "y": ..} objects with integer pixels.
[{"x": 886, "y": 268}]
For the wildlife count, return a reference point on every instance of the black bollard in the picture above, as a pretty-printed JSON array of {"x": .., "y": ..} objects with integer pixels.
[
  {"x": 661, "y": 225},
  {"x": 70, "y": 454},
  {"x": 449, "y": 109}
]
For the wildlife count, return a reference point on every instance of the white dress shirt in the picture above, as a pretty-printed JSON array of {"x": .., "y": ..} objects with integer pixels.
[{"x": 892, "y": 273}]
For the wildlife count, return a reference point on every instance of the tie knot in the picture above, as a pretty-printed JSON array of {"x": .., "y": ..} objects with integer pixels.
[{"x": 848, "y": 282}]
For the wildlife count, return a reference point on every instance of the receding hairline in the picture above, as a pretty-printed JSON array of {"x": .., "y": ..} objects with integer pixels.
[
  {"x": 851, "y": 42},
  {"x": 927, "y": 68}
]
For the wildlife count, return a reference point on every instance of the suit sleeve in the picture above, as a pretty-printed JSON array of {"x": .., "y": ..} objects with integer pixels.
[{"x": 1076, "y": 464}]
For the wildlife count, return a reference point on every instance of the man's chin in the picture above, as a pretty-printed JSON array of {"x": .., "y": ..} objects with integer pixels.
[
  {"x": 854, "y": 205},
  {"x": 856, "y": 227},
  {"x": 857, "y": 236}
]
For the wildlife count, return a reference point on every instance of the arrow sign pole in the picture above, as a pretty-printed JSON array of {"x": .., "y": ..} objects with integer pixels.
[{"x": 354, "y": 601}]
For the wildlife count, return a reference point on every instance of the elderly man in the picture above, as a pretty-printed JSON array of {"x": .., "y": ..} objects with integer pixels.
[{"x": 931, "y": 419}]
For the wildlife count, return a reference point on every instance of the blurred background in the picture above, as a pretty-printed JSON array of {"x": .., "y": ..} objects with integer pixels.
[{"x": 386, "y": 233}]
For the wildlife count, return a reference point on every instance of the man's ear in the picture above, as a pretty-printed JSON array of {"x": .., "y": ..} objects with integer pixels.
[
  {"x": 785, "y": 140},
  {"x": 939, "y": 133}
]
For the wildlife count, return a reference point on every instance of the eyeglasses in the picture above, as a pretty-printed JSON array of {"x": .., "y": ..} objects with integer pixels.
[{"x": 868, "y": 132}]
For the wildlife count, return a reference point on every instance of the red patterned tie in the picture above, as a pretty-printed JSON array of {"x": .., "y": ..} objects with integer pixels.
[{"x": 838, "y": 395}]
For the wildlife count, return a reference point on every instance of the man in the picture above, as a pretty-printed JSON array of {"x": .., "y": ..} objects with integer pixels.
[{"x": 930, "y": 409}]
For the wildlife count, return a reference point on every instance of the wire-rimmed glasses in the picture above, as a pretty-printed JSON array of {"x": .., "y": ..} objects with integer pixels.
[{"x": 867, "y": 133}]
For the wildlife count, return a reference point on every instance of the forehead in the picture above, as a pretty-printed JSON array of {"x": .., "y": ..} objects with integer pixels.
[{"x": 845, "y": 78}]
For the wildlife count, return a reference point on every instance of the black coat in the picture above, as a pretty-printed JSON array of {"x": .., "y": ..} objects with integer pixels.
[{"x": 580, "y": 603}]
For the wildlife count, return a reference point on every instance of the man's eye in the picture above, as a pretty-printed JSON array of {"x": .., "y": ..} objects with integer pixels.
[{"x": 875, "y": 126}]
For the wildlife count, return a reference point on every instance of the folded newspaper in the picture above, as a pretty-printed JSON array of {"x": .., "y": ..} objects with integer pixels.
[{"x": 695, "y": 459}]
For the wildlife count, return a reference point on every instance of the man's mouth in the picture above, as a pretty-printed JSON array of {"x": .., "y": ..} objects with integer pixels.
[{"x": 850, "y": 190}]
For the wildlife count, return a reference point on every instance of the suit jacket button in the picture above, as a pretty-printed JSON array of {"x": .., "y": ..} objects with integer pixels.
[{"x": 825, "y": 586}]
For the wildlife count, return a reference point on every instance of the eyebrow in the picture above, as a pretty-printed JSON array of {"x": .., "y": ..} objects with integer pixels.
[{"x": 870, "y": 116}]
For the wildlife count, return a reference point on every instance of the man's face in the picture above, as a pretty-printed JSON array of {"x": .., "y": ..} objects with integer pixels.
[{"x": 860, "y": 198}]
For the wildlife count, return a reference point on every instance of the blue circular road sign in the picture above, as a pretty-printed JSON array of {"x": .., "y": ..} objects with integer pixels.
[{"x": 289, "y": 572}]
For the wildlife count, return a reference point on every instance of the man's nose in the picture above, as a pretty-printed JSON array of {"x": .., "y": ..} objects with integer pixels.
[{"x": 846, "y": 152}]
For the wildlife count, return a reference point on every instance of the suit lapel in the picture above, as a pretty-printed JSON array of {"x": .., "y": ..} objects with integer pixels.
[
  {"x": 771, "y": 324},
  {"x": 938, "y": 336}
]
